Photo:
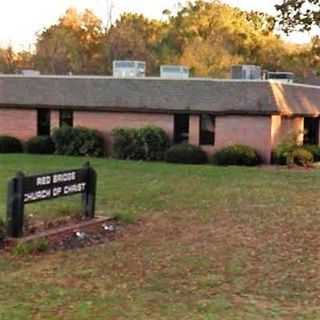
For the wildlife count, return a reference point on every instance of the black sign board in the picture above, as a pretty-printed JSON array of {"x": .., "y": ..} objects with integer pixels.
[
  {"x": 29, "y": 189},
  {"x": 54, "y": 185}
]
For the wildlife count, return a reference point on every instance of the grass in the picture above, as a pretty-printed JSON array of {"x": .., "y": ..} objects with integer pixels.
[
  {"x": 32, "y": 247},
  {"x": 214, "y": 243}
]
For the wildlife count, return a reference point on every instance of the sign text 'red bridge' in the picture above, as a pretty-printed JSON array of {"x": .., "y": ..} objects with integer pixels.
[{"x": 29, "y": 189}]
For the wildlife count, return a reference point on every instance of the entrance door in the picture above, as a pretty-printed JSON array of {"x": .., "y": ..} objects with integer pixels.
[
  {"x": 43, "y": 116},
  {"x": 181, "y": 128},
  {"x": 311, "y": 128}
]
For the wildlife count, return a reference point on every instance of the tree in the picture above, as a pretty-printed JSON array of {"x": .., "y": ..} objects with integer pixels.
[
  {"x": 7, "y": 61},
  {"x": 299, "y": 15},
  {"x": 134, "y": 37},
  {"x": 210, "y": 36},
  {"x": 262, "y": 22},
  {"x": 209, "y": 58},
  {"x": 24, "y": 60},
  {"x": 206, "y": 35},
  {"x": 74, "y": 44}
]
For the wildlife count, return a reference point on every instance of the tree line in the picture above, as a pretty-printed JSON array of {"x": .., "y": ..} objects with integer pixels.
[{"x": 207, "y": 36}]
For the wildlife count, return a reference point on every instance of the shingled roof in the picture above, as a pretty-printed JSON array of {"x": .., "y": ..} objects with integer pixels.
[{"x": 159, "y": 95}]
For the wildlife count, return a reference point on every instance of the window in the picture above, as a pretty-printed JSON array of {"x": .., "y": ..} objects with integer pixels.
[
  {"x": 66, "y": 118},
  {"x": 43, "y": 119},
  {"x": 181, "y": 128},
  {"x": 311, "y": 128},
  {"x": 207, "y": 130}
]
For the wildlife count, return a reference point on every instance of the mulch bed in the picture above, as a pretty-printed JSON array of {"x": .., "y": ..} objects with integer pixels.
[
  {"x": 67, "y": 233},
  {"x": 85, "y": 236}
]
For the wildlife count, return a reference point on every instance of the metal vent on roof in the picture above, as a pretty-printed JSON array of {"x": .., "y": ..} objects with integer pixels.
[
  {"x": 129, "y": 69},
  {"x": 174, "y": 72}
]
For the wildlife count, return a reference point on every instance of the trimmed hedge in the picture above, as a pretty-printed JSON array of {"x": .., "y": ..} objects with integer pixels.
[
  {"x": 236, "y": 155},
  {"x": 40, "y": 145},
  {"x": 78, "y": 141},
  {"x": 148, "y": 143},
  {"x": 187, "y": 154},
  {"x": 10, "y": 144}
]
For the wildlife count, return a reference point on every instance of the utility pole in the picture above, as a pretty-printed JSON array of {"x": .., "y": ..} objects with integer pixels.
[{"x": 110, "y": 7}]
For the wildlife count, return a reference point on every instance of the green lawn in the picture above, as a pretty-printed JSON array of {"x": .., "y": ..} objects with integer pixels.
[{"x": 211, "y": 243}]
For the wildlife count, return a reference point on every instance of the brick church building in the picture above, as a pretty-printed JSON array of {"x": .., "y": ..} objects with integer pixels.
[{"x": 209, "y": 113}]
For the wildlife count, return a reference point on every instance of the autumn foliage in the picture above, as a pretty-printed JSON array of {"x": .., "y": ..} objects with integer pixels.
[{"x": 207, "y": 36}]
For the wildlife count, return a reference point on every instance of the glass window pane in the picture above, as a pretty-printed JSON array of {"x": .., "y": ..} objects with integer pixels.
[
  {"x": 66, "y": 118},
  {"x": 207, "y": 129},
  {"x": 43, "y": 119}
]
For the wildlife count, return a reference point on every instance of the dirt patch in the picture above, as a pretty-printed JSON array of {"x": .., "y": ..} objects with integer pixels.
[
  {"x": 64, "y": 234},
  {"x": 81, "y": 237}
]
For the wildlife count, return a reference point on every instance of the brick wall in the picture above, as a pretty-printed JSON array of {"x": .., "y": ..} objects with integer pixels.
[
  {"x": 254, "y": 131},
  {"x": 292, "y": 125},
  {"x": 282, "y": 127},
  {"x": 194, "y": 130},
  {"x": 55, "y": 119},
  {"x": 18, "y": 123},
  {"x": 105, "y": 122},
  {"x": 262, "y": 133},
  {"x": 276, "y": 131}
]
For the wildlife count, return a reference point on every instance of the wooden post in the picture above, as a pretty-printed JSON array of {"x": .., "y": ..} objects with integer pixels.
[
  {"x": 15, "y": 207},
  {"x": 22, "y": 186},
  {"x": 89, "y": 197}
]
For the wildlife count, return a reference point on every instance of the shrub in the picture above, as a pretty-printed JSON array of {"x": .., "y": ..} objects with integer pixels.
[
  {"x": 315, "y": 150},
  {"x": 298, "y": 155},
  {"x": 301, "y": 157},
  {"x": 2, "y": 231},
  {"x": 78, "y": 142},
  {"x": 237, "y": 155},
  {"x": 154, "y": 143},
  {"x": 125, "y": 144},
  {"x": 282, "y": 155},
  {"x": 187, "y": 154},
  {"x": 10, "y": 145},
  {"x": 278, "y": 157},
  {"x": 40, "y": 145},
  {"x": 148, "y": 143}
]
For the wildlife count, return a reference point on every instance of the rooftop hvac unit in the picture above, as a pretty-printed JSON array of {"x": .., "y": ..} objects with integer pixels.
[
  {"x": 246, "y": 72},
  {"x": 129, "y": 69},
  {"x": 282, "y": 77},
  {"x": 30, "y": 72},
  {"x": 174, "y": 72}
]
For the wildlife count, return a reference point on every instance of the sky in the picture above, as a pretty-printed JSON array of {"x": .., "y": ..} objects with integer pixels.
[{"x": 20, "y": 20}]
